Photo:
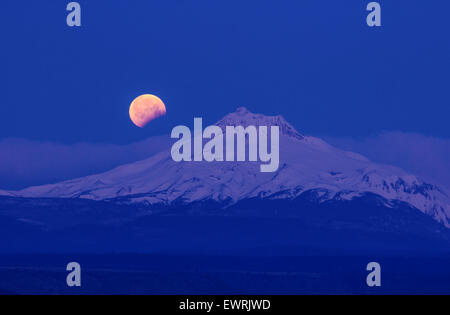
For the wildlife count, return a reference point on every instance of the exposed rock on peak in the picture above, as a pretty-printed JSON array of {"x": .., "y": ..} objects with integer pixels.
[{"x": 243, "y": 117}]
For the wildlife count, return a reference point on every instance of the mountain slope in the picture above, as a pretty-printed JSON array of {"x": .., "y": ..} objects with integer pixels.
[{"x": 306, "y": 164}]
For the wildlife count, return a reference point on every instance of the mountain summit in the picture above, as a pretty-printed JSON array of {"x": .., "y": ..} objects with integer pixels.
[
  {"x": 243, "y": 117},
  {"x": 308, "y": 167}
]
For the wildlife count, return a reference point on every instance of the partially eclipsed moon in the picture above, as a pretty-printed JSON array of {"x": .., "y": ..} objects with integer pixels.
[{"x": 145, "y": 108}]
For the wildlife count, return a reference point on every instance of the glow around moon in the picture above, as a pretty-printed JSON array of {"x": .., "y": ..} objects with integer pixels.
[{"x": 146, "y": 108}]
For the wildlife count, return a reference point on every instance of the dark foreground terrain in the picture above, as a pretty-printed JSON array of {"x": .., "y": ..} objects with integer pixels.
[
  {"x": 254, "y": 247},
  {"x": 183, "y": 274}
]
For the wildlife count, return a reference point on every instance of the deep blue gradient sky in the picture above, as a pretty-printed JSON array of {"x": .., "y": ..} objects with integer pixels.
[{"x": 315, "y": 62}]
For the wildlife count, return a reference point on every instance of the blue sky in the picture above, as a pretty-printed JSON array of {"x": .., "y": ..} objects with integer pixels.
[{"x": 315, "y": 62}]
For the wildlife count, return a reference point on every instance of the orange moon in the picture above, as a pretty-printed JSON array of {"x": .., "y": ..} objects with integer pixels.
[{"x": 146, "y": 108}]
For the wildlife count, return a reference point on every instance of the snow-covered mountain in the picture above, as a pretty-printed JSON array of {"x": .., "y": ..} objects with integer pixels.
[{"x": 307, "y": 164}]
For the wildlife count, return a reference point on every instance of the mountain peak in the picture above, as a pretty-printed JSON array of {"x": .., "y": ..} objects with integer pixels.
[
  {"x": 309, "y": 167},
  {"x": 243, "y": 117},
  {"x": 242, "y": 111}
]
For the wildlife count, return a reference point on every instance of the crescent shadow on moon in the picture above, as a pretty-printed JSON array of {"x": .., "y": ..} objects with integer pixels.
[{"x": 146, "y": 108}]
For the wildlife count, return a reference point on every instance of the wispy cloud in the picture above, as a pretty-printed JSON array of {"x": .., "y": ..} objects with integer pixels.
[
  {"x": 25, "y": 163},
  {"x": 427, "y": 157}
]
